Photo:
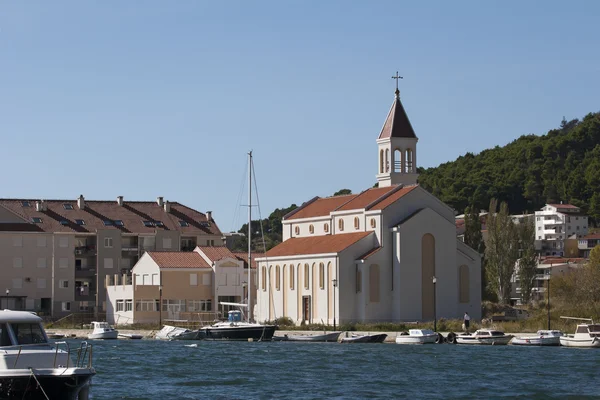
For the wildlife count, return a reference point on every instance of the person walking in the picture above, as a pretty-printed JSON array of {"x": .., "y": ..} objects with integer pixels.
[{"x": 466, "y": 321}]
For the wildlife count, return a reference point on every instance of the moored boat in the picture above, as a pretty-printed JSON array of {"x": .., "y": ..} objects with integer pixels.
[
  {"x": 586, "y": 335},
  {"x": 543, "y": 337},
  {"x": 236, "y": 329},
  {"x": 102, "y": 330},
  {"x": 33, "y": 368},
  {"x": 377, "y": 338},
  {"x": 169, "y": 332},
  {"x": 484, "y": 336},
  {"x": 417, "y": 336},
  {"x": 326, "y": 337}
]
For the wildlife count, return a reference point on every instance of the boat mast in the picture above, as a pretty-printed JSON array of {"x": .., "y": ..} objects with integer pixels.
[{"x": 249, "y": 233}]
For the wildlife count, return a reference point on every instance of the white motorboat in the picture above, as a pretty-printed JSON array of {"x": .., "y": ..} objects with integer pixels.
[
  {"x": 543, "y": 337},
  {"x": 484, "y": 336},
  {"x": 417, "y": 336},
  {"x": 169, "y": 332},
  {"x": 586, "y": 335},
  {"x": 376, "y": 338},
  {"x": 102, "y": 330},
  {"x": 325, "y": 337},
  {"x": 31, "y": 367}
]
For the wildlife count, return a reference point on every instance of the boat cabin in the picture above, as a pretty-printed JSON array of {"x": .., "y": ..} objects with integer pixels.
[
  {"x": 547, "y": 333},
  {"x": 490, "y": 333},
  {"x": 592, "y": 330},
  {"x": 235, "y": 316},
  {"x": 21, "y": 328}
]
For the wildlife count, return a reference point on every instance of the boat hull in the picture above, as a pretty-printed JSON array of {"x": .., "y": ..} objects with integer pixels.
[
  {"x": 328, "y": 337},
  {"x": 572, "y": 342},
  {"x": 104, "y": 335},
  {"x": 259, "y": 333},
  {"x": 500, "y": 340},
  {"x": 407, "y": 339},
  {"x": 365, "y": 339},
  {"x": 56, "y": 383},
  {"x": 535, "y": 341}
]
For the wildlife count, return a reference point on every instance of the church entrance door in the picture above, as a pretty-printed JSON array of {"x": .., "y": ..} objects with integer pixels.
[{"x": 306, "y": 309}]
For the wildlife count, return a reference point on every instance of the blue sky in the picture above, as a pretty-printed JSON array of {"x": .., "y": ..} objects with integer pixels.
[{"x": 157, "y": 98}]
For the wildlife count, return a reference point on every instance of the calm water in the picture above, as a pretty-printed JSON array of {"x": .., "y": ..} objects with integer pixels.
[{"x": 149, "y": 369}]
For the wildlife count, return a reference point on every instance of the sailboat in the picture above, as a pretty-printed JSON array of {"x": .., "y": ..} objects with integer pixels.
[{"x": 235, "y": 328}]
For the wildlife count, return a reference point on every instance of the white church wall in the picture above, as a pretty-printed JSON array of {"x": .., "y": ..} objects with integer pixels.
[
  {"x": 467, "y": 256},
  {"x": 309, "y": 227}
]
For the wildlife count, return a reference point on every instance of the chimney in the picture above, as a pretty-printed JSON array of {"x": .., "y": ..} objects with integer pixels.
[
  {"x": 159, "y": 201},
  {"x": 167, "y": 206},
  {"x": 209, "y": 216},
  {"x": 120, "y": 200},
  {"x": 81, "y": 202},
  {"x": 38, "y": 206},
  {"x": 44, "y": 205}
]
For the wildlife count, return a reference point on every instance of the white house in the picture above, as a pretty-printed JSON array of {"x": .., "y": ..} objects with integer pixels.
[
  {"x": 555, "y": 223},
  {"x": 386, "y": 254}
]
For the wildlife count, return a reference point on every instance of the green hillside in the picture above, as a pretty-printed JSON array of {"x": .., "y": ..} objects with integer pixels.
[{"x": 563, "y": 165}]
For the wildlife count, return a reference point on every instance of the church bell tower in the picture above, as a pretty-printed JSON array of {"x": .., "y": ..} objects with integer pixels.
[{"x": 397, "y": 147}]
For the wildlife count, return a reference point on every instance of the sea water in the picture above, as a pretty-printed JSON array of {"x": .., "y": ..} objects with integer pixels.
[{"x": 152, "y": 369}]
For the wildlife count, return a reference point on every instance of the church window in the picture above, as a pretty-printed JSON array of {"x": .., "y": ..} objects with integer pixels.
[
  {"x": 373, "y": 223},
  {"x": 356, "y": 223},
  {"x": 297, "y": 230},
  {"x": 264, "y": 278},
  {"x": 463, "y": 284},
  {"x": 306, "y": 276},
  {"x": 277, "y": 277},
  {"x": 397, "y": 161},
  {"x": 326, "y": 227},
  {"x": 311, "y": 229},
  {"x": 322, "y": 276},
  {"x": 381, "y": 161},
  {"x": 374, "y": 282},
  {"x": 358, "y": 279},
  {"x": 292, "y": 276},
  {"x": 387, "y": 160},
  {"x": 341, "y": 224}
]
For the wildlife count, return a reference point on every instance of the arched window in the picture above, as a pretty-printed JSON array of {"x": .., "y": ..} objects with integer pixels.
[
  {"x": 277, "y": 277},
  {"x": 356, "y": 223},
  {"x": 409, "y": 161},
  {"x": 322, "y": 276},
  {"x": 311, "y": 229},
  {"x": 297, "y": 230},
  {"x": 381, "y": 161},
  {"x": 387, "y": 160},
  {"x": 264, "y": 278},
  {"x": 373, "y": 223},
  {"x": 463, "y": 284},
  {"x": 326, "y": 227},
  {"x": 341, "y": 224},
  {"x": 397, "y": 161},
  {"x": 306, "y": 276},
  {"x": 292, "y": 276},
  {"x": 405, "y": 166}
]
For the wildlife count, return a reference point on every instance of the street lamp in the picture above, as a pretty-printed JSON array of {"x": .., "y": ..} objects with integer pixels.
[
  {"x": 548, "y": 301},
  {"x": 434, "y": 280},
  {"x": 335, "y": 283}
]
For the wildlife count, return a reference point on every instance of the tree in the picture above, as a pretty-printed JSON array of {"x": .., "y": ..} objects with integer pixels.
[
  {"x": 342, "y": 192},
  {"x": 473, "y": 237},
  {"x": 501, "y": 250},
  {"x": 527, "y": 264}
]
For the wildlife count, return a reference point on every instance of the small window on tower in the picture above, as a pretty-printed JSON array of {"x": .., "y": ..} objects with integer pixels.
[
  {"x": 297, "y": 230},
  {"x": 311, "y": 229},
  {"x": 326, "y": 227}
]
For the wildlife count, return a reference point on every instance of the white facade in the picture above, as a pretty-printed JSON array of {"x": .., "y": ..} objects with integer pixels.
[{"x": 554, "y": 224}]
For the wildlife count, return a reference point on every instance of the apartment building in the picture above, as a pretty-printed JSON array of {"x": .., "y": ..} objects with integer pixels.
[
  {"x": 55, "y": 254},
  {"x": 554, "y": 224},
  {"x": 587, "y": 243}
]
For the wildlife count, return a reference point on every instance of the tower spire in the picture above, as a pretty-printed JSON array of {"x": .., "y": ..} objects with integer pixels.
[{"x": 397, "y": 77}]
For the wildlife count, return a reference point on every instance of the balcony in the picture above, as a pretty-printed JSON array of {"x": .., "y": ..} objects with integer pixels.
[
  {"x": 542, "y": 277},
  {"x": 129, "y": 249},
  {"x": 552, "y": 222},
  {"x": 86, "y": 251},
  {"x": 85, "y": 272}
]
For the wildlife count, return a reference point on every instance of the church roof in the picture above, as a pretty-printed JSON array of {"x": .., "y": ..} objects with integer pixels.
[
  {"x": 397, "y": 123},
  {"x": 320, "y": 207},
  {"x": 316, "y": 244}
]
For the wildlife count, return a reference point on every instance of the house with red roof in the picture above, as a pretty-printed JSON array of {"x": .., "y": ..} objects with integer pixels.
[{"x": 389, "y": 253}]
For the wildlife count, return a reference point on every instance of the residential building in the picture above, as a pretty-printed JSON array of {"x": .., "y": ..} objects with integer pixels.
[
  {"x": 389, "y": 253},
  {"x": 555, "y": 223},
  {"x": 587, "y": 243},
  {"x": 55, "y": 254},
  {"x": 190, "y": 286}
]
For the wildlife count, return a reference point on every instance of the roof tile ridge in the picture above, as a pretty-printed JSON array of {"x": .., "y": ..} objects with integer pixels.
[
  {"x": 359, "y": 238},
  {"x": 353, "y": 197},
  {"x": 384, "y": 196},
  {"x": 302, "y": 206},
  {"x": 407, "y": 119},
  {"x": 392, "y": 110}
]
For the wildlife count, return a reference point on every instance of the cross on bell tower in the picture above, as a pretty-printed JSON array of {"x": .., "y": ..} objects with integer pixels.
[{"x": 397, "y": 146}]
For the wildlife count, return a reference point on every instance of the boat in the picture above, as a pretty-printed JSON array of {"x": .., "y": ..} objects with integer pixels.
[
  {"x": 484, "y": 336},
  {"x": 33, "y": 368},
  {"x": 377, "y": 338},
  {"x": 133, "y": 336},
  {"x": 417, "y": 336},
  {"x": 543, "y": 337},
  {"x": 169, "y": 332},
  {"x": 102, "y": 330},
  {"x": 325, "y": 337},
  {"x": 586, "y": 335},
  {"x": 234, "y": 328}
]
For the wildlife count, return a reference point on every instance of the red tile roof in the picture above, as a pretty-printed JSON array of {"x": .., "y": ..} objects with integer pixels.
[
  {"x": 321, "y": 207},
  {"x": 217, "y": 253},
  {"x": 564, "y": 206},
  {"x": 316, "y": 244},
  {"x": 369, "y": 253},
  {"x": 393, "y": 197},
  {"x": 562, "y": 260},
  {"x": 367, "y": 197},
  {"x": 244, "y": 256},
  {"x": 178, "y": 259},
  {"x": 397, "y": 123},
  {"x": 132, "y": 213},
  {"x": 592, "y": 236}
]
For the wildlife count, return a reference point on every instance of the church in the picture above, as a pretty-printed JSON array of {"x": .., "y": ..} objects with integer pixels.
[{"x": 389, "y": 253}]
